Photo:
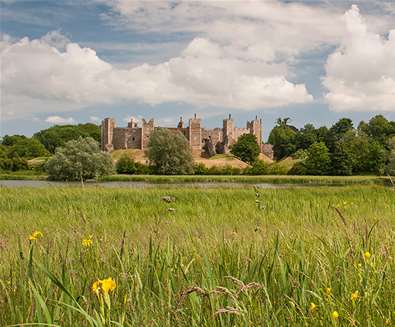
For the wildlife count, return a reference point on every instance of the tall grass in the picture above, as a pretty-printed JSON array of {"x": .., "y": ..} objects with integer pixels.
[{"x": 217, "y": 257}]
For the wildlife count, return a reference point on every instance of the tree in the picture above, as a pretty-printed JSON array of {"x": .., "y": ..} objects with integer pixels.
[
  {"x": 318, "y": 161},
  {"x": 125, "y": 165},
  {"x": 390, "y": 167},
  {"x": 79, "y": 160},
  {"x": 337, "y": 131},
  {"x": 283, "y": 139},
  {"x": 306, "y": 136},
  {"x": 56, "y": 136},
  {"x": 246, "y": 148},
  {"x": 169, "y": 152},
  {"x": 341, "y": 160},
  {"x": 27, "y": 148}
]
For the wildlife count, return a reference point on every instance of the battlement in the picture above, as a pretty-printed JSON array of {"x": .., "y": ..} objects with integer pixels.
[{"x": 137, "y": 137}]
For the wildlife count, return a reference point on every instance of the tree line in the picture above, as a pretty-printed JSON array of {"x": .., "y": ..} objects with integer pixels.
[{"x": 341, "y": 149}]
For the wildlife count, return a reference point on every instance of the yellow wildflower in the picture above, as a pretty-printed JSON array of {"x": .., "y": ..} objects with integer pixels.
[
  {"x": 328, "y": 291},
  {"x": 35, "y": 236},
  {"x": 367, "y": 255},
  {"x": 387, "y": 321},
  {"x": 335, "y": 315},
  {"x": 354, "y": 296},
  {"x": 103, "y": 286},
  {"x": 313, "y": 307},
  {"x": 87, "y": 242}
]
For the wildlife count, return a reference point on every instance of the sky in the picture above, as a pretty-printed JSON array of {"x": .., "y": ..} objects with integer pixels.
[{"x": 77, "y": 61}]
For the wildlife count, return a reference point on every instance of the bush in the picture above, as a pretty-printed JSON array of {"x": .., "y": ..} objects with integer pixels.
[
  {"x": 126, "y": 165},
  {"x": 258, "y": 168},
  {"x": 13, "y": 164},
  {"x": 169, "y": 153},
  {"x": 79, "y": 160},
  {"x": 200, "y": 169}
]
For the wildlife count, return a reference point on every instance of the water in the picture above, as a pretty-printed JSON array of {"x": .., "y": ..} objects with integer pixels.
[{"x": 137, "y": 185}]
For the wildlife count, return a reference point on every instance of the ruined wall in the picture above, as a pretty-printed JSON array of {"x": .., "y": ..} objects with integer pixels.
[
  {"x": 228, "y": 132},
  {"x": 107, "y": 129},
  {"x": 240, "y": 131},
  {"x": 146, "y": 130},
  {"x": 255, "y": 127},
  {"x": 133, "y": 137},
  {"x": 195, "y": 135},
  {"x": 215, "y": 134}
]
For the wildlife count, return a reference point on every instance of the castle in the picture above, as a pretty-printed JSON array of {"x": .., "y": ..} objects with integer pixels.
[{"x": 137, "y": 137}]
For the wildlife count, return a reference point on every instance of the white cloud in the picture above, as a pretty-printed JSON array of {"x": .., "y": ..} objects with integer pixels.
[
  {"x": 204, "y": 74},
  {"x": 360, "y": 75},
  {"x": 58, "y": 120}
]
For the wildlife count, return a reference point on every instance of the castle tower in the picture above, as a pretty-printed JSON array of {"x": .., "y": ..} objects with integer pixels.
[
  {"x": 146, "y": 130},
  {"x": 228, "y": 132},
  {"x": 195, "y": 134},
  {"x": 180, "y": 123},
  {"x": 132, "y": 123},
  {"x": 107, "y": 130},
  {"x": 255, "y": 127}
]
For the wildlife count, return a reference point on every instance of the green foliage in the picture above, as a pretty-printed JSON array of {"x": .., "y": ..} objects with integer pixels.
[
  {"x": 390, "y": 167},
  {"x": 170, "y": 153},
  {"x": 125, "y": 165},
  {"x": 246, "y": 148},
  {"x": 200, "y": 169},
  {"x": 56, "y": 136},
  {"x": 341, "y": 159},
  {"x": 9, "y": 140},
  {"x": 27, "y": 148},
  {"x": 318, "y": 161},
  {"x": 283, "y": 139},
  {"x": 79, "y": 160},
  {"x": 258, "y": 168},
  {"x": 300, "y": 154},
  {"x": 13, "y": 164}
]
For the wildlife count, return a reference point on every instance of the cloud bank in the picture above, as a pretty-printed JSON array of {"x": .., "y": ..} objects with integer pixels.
[{"x": 360, "y": 74}]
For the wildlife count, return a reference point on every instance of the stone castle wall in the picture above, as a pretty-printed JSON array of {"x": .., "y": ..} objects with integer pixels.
[{"x": 134, "y": 137}]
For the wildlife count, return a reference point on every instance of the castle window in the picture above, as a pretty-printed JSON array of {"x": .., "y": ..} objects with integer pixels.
[{"x": 133, "y": 139}]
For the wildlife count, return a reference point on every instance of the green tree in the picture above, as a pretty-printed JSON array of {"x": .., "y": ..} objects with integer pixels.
[
  {"x": 27, "y": 148},
  {"x": 170, "y": 153},
  {"x": 56, "y": 136},
  {"x": 246, "y": 148},
  {"x": 341, "y": 160},
  {"x": 318, "y": 161},
  {"x": 79, "y": 160},
  {"x": 125, "y": 165},
  {"x": 337, "y": 131},
  {"x": 390, "y": 167},
  {"x": 306, "y": 136},
  {"x": 283, "y": 139}
]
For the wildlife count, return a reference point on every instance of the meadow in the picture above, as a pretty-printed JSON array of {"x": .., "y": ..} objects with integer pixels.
[{"x": 307, "y": 256}]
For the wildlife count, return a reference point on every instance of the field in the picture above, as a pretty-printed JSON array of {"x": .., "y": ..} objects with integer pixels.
[{"x": 308, "y": 256}]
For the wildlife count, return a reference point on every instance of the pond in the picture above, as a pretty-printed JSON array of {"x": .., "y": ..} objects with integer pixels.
[{"x": 203, "y": 185}]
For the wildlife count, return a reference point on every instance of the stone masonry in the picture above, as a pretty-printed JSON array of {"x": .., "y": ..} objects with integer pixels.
[{"x": 137, "y": 137}]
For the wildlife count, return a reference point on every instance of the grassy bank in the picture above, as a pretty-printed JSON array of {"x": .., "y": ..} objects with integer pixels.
[
  {"x": 218, "y": 257},
  {"x": 274, "y": 179}
]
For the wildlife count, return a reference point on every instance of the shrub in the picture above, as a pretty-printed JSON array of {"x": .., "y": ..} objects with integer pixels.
[
  {"x": 200, "y": 169},
  {"x": 125, "y": 165},
  {"x": 79, "y": 160},
  {"x": 258, "y": 168},
  {"x": 170, "y": 153}
]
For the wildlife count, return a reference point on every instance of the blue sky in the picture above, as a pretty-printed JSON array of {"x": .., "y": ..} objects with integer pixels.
[{"x": 313, "y": 61}]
